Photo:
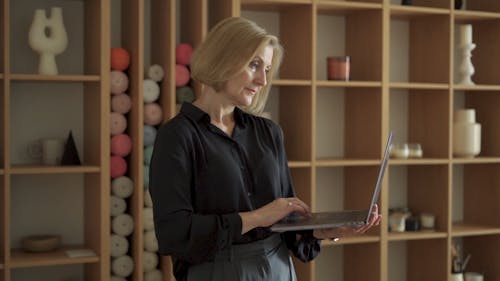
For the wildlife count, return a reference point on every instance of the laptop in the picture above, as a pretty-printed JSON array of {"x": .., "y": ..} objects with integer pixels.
[{"x": 352, "y": 218}]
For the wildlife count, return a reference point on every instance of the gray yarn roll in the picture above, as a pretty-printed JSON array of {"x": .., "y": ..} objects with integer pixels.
[
  {"x": 122, "y": 187},
  {"x": 150, "y": 242},
  {"x": 122, "y": 225},
  {"x": 153, "y": 275},
  {"x": 184, "y": 94},
  {"x": 119, "y": 245},
  {"x": 148, "y": 221},
  {"x": 149, "y": 261},
  {"x": 117, "y": 205},
  {"x": 122, "y": 266}
]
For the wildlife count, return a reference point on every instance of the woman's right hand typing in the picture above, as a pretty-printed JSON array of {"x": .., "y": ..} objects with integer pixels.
[{"x": 272, "y": 212}]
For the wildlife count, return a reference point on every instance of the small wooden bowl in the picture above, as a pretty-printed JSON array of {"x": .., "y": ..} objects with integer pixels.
[{"x": 41, "y": 243}]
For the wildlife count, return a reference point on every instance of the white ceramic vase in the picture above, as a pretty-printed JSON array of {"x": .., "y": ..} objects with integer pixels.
[
  {"x": 48, "y": 44},
  {"x": 466, "y": 134}
]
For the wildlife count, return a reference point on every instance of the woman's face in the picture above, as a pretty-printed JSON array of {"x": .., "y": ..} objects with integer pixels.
[{"x": 241, "y": 89}]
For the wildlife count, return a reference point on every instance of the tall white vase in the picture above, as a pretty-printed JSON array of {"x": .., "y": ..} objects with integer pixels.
[
  {"x": 466, "y": 134},
  {"x": 47, "y": 36}
]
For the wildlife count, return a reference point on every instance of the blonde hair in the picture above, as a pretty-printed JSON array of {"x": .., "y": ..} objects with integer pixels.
[{"x": 230, "y": 47}]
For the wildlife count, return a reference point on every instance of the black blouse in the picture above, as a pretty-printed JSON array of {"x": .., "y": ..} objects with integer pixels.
[{"x": 201, "y": 178}]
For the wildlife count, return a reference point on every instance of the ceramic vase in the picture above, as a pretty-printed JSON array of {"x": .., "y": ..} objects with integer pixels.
[
  {"x": 466, "y": 68},
  {"x": 466, "y": 134},
  {"x": 48, "y": 44}
]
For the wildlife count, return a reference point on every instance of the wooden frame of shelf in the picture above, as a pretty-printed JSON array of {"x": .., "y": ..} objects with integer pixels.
[
  {"x": 95, "y": 109},
  {"x": 303, "y": 95}
]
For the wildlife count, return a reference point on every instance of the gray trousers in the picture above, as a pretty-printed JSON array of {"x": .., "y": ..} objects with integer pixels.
[{"x": 267, "y": 259}]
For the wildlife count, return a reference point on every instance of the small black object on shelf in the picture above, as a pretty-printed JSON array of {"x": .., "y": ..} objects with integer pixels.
[
  {"x": 70, "y": 155},
  {"x": 458, "y": 4},
  {"x": 406, "y": 2}
]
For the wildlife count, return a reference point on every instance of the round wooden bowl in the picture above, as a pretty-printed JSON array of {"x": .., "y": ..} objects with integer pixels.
[{"x": 41, "y": 243}]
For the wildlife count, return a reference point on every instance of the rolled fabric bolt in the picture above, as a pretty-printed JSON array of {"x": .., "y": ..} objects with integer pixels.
[
  {"x": 148, "y": 222},
  {"x": 148, "y": 153},
  {"x": 122, "y": 266},
  {"x": 149, "y": 135},
  {"x": 117, "y": 278},
  {"x": 119, "y": 245},
  {"x": 122, "y": 187},
  {"x": 121, "y": 103},
  {"x": 146, "y": 176},
  {"x": 121, "y": 145},
  {"x": 151, "y": 90},
  {"x": 184, "y": 94},
  {"x": 117, "y": 205},
  {"x": 183, "y": 53},
  {"x": 150, "y": 242},
  {"x": 148, "y": 202},
  {"x": 181, "y": 75},
  {"x": 118, "y": 166},
  {"x": 156, "y": 73},
  {"x": 153, "y": 114},
  {"x": 120, "y": 59},
  {"x": 149, "y": 261},
  {"x": 117, "y": 123},
  {"x": 118, "y": 82},
  {"x": 122, "y": 225},
  {"x": 153, "y": 275}
]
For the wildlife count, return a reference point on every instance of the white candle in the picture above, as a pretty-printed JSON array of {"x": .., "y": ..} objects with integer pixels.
[{"x": 465, "y": 34}]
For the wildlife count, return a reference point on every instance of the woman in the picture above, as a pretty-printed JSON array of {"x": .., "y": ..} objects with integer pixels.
[{"x": 219, "y": 175}]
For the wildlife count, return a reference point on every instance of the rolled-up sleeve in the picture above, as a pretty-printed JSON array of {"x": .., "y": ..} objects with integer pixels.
[{"x": 181, "y": 231}]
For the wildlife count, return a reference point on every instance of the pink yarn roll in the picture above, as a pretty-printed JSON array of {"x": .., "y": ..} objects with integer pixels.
[
  {"x": 183, "y": 53},
  {"x": 118, "y": 82},
  {"x": 153, "y": 114},
  {"x": 121, "y": 103},
  {"x": 121, "y": 145},
  {"x": 118, "y": 166},
  {"x": 181, "y": 75},
  {"x": 118, "y": 123}
]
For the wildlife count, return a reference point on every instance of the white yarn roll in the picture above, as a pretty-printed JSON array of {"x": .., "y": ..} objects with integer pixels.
[
  {"x": 156, "y": 72},
  {"x": 149, "y": 261},
  {"x": 150, "y": 242},
  {"x": 117, "y": 278},
  {"x": 122, "y": 266},
  {"x": 122, "y": 225},
  {"x": 153, "y": 275},
  {"x": 148, "y": 222},
  {"x": 151, "y": 90},
  {"x": 117, "y": 205},
  {"x": 122, "y": 187},
  {"x": 119, "y": 245},
  {"x": 148, "y": 202}
]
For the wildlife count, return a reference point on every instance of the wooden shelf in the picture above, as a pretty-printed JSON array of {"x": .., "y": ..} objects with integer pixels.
[
  {"x": 54, "y": 78},
  {"x": 464, "y": 229},
  {"x": 348, "y": 84},
  {"x": 476, "y": 160},
  {"x": 20, "y": 169},
  {"x": 291, "y": 82},
  {"x": 458, "y": 87},
  {"x": 20, "y": 259},
  {"x": 339, "y": 162},
  {"x": 345, "y": 7},
  {"x": 417, "y": 235},
  {"x": 351, "y": 240},
  {"x": 467, "y": 16},
  {"x": 418, "y": 86},
  {"x": 271, "y": 5},
  {"x": 299, "y": 164},
  {"x": 421, "y": 161},
  {"x": 408, "y": 12}
]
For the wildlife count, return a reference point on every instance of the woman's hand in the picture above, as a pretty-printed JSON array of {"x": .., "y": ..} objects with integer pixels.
[
  {"x": 269, "y": 214},
  {"x": 345, "y": 231}
]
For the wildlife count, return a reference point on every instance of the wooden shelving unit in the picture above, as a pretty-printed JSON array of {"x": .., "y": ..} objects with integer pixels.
[
  {"x": 402, "y": 79},
  {"x": 88, "y": 79}
]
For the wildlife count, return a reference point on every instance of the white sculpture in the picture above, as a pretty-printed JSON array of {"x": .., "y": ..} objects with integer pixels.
[
  {"x": 47, "y": 36},
  {"x": 466, "y": 69}
]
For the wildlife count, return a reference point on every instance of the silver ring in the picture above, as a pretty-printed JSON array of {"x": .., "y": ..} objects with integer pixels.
[{"x": 290, "y": 203}]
